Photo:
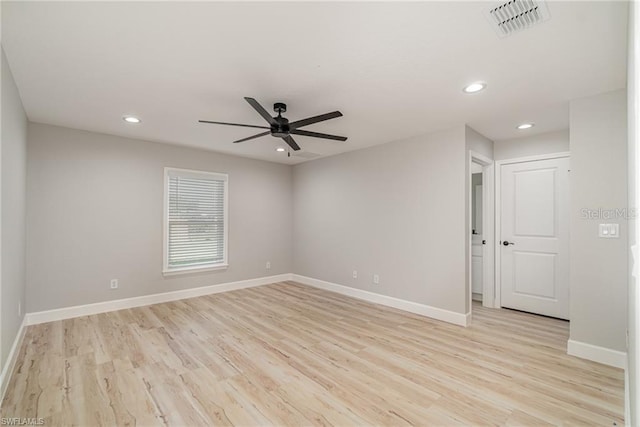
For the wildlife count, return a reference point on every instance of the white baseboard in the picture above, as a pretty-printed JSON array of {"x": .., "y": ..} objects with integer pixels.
[
  {"x": 413, "y": 307},
  {"x": 106, "y": 306},
  {"x": 7, "y": 369},
  {"x": 598, "y": 354}
]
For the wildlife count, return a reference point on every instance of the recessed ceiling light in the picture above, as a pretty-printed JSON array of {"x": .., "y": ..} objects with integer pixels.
[
  {"x": 474, "y": 87},
  {"x": 280, "y": 149},
  {"x": 131, "y": 119},
  {"x": 524, "y": 126}
]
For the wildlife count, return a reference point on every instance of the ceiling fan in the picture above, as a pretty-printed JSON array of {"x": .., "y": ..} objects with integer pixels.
[{"x": 280, "y": 127}]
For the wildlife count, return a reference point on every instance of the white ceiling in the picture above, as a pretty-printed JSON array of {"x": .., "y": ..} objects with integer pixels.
[{"x": 395, "y": 70}]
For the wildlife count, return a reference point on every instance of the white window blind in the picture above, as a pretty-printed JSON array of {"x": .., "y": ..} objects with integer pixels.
[{"x": 196, "y": 220}]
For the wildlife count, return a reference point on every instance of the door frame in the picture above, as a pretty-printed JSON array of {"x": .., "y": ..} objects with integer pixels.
[
  {"x": 498, "y": 203},
  {"x": 488, "y": 215}
]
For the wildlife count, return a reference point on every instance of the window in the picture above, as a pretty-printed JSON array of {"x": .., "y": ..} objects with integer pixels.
[{"x": 195, "y": 236}]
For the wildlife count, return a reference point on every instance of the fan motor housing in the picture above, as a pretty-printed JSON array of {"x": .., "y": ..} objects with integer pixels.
[{"x": 281, "y": 129}]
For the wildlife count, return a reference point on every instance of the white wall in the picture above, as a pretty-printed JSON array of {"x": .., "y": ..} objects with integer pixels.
[
  {"x": 598, "y": 278},
  {"x": 544, "y": 143},
  {"x": 13, "y": 148},
  {"x": 95, "y": 209},
  {"x": 478, "y": 143},
  {"x": 397, "y": 210}
]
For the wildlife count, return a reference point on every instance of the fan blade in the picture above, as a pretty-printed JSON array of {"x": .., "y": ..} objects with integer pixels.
[
  {"x": 252, "y": 137},
  {"x": 318, "y": 135},
  {"x": 261, "y": 111},
  {"x": 316, "y": 119},
  {"x": 291, "y": 142},
  {"x": 234, "y": 124}
]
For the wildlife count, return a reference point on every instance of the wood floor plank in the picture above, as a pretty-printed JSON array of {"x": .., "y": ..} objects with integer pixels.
[{"x": 288, "y": 354}]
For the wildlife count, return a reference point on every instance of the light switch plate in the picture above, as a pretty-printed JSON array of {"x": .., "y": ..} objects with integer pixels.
[{"x": 609, "y": 231}]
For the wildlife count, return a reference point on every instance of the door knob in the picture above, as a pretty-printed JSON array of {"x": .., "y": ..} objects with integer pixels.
[{"x": 507, "y": 243}]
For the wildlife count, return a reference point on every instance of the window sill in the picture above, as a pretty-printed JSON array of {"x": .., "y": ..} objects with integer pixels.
[{"x": 192, "y": 270}]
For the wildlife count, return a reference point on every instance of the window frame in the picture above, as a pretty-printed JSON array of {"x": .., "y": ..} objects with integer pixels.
[{"x": 195, "y": 174}]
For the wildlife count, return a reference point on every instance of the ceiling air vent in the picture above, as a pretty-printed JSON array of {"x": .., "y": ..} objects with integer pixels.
[{"x": 515, "y": 15}]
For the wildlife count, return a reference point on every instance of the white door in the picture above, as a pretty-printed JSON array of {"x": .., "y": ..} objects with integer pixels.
[
  {"x": 534, "y": 234},
  {"x": 476, "y": 273}
]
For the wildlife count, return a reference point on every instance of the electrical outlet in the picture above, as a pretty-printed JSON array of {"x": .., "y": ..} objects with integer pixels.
[
  {"x": 268, "y": 265},
  {"x": 355, "y": 274},
  {"x": 609, "y": 231},
  {"x": 114, "y": 283},
  {"x": 376, "y": 279}
]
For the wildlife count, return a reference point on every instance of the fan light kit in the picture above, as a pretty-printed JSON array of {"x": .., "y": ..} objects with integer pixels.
[
  {"x": 474, "y": 87},
  {"x": 280, "y": 127},
  {"x": 524, "y": 126},
  {"x": 131, "y": 119}
]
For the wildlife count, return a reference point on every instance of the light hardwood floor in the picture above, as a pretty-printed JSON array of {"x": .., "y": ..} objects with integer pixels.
[{"x": 287, "y": 354}]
